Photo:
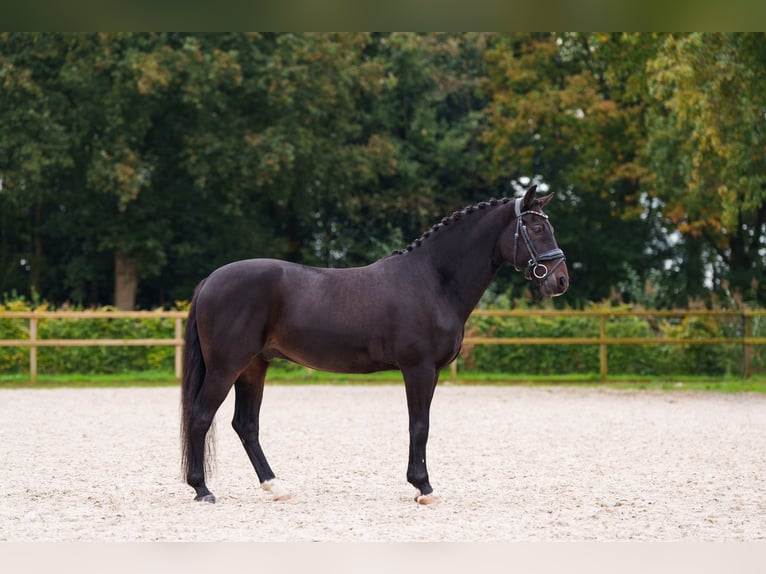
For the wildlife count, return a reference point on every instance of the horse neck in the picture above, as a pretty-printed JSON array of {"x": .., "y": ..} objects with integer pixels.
[{"x": 461, "y": 259}]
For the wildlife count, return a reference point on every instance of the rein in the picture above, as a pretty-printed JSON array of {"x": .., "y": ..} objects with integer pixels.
[{"x": 534, "y": 268}]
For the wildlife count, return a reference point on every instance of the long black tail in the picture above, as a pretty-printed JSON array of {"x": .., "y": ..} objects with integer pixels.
[{"x": 191, "y": 383}]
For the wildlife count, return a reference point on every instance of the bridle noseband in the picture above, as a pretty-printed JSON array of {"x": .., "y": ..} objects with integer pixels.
[{"x": 535, "y": 269}]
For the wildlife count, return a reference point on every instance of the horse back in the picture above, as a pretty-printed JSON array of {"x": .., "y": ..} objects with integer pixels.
[{"x": 359, "y": 319}]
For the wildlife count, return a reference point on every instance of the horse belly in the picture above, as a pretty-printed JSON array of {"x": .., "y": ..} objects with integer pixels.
[{"x": 334, "y": 352}]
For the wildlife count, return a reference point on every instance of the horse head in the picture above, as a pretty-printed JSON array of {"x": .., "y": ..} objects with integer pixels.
[{"x": 529, "y": 244}]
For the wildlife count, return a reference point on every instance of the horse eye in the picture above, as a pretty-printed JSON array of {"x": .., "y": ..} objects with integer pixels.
[{"x": 537, "y": 228}]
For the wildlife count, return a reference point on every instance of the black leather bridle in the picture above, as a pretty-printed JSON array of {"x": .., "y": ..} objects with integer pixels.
[{"x": 535, "y": 269}]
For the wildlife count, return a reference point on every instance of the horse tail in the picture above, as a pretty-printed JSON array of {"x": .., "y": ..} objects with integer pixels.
[{"x": 191, "y": 384}]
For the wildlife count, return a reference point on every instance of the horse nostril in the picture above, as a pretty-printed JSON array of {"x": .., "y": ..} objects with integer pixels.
[{"x": 563, "y": 282}]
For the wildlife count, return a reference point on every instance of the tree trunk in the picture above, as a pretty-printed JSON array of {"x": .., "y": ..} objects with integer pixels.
[
  {"x": 36, "y": 262},
  {"x": 125, "y": 281}
]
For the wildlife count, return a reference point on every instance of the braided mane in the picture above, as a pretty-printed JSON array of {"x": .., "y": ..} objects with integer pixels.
[{"x": 456, "y": 216}]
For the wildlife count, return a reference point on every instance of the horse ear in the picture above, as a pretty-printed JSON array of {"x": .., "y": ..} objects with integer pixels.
[
  {"x": 529, "y": 197},
  {"x": 544, "y": 200}
]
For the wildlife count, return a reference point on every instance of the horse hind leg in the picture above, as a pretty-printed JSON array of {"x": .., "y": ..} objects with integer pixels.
[
  {"x": 214, "y": 389},
  {"x": 249, "y": 396}
]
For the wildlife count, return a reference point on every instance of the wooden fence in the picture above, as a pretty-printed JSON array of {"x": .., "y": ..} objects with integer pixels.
[
  {"x": 34, "y": 342},
  {"x": 746, "y": 340},
  {"x": 603, "y": 341}
]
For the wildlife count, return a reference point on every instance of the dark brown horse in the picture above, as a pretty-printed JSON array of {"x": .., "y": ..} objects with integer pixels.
[{"x": 405, "y": 312}]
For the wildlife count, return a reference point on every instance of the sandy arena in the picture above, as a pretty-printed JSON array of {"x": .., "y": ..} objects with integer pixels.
[{"x": 509, "y": 463}]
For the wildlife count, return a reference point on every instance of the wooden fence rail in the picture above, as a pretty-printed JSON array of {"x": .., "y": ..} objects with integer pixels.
[{"x": 746, "y": 340}]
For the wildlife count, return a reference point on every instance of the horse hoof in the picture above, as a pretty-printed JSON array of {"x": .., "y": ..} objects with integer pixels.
[
  {"x": 426, "y": 498},
  {"x": 279, "y": 492},
  {"x": 205, "y": 498}
]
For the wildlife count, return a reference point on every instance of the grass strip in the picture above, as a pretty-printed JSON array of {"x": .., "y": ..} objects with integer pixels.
[{"x": 725, "y": 384}]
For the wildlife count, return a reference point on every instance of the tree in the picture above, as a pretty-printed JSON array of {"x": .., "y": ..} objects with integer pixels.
[
  {"x": 134, "y": 164},
  {"x": 707, "y": 147},
  {"x": 428, "y": 117},
  {"x": 566, "y": 112},
  {"x": 35, "y": 154}
]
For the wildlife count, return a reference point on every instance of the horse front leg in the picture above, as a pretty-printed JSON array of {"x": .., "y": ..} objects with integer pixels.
[{"x": 419, "y": 383}]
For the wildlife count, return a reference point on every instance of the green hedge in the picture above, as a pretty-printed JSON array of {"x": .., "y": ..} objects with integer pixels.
[
  {"x": 648, "y": 360},
  {"x": 14, "y": 359},
  {"x": 64, "y": 360}
]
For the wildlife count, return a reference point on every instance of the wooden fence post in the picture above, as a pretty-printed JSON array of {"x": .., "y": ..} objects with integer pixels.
[
  {"x": 748, "y": 349},
  {"x": 33, "y": 349},
  {"x": 179, "y": 349}
]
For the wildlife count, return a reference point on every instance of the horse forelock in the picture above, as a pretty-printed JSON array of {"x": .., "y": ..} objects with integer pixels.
[{"x": 455, "y": 217}]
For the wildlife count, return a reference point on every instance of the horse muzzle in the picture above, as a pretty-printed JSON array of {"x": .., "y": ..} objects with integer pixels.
[{"x": 553, "y": 281}]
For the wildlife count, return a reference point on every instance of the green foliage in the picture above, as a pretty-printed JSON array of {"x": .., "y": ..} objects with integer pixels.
[
  {"x": 645, "y": 360},
  {"x": 759, "y": 351},
  {"x": 96, "y": 359},
  {"x": 180, "y": 152},
  {"x": 13, "y": 359},
  {"x": 699, "y": 359},
  {"x": 707, "y": 149},
  {"x": 532, "y": 359},
  {"x": 104, "y": 359}
]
